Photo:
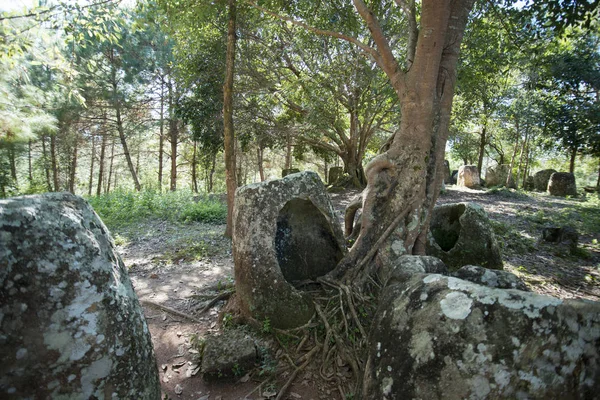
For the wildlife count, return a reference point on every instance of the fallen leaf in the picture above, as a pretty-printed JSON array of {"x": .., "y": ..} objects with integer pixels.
[
  {"x": 269, "y": 394},
  {"x": 213, "y": 325},
  {"x": 245, "y": 378},
  {"x": 179, "y": 334},
  {"x": 164, "y": 367},
  {"x": 295, "y": 395},
  {"x": 153, "y": 276},
  {"x": 164, "y": 317}
]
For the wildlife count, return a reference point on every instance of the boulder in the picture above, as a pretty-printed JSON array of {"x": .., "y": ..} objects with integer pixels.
[
  {"x": 439, "y": 337},
  {"x": 289, "y": 171},
  {"x": 408, "y": 264},
  {"x": 71, "y": 324},
  {"x": 562, "y": 184},
  {"x": 335, "y": 174},
  {"x": 229, "y": 355},
  {"x": 447, "y": 176},
  {"x": 491, "y": 278},
  {"x": 565, "y": 234},
  {"x": 468, "y": 176},
  {"x": 541, "y": 178},
  {"x": 453, "y": 176},
  {"x": 285, "y": 231},
  {"x": 496, "y": 176},
  {"x": 460, "y": 234}
]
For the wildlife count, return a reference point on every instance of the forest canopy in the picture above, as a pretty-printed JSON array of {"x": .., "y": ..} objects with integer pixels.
[{"x": 105, "y": 94}]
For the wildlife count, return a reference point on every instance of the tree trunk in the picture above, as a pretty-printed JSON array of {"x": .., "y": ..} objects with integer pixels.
[
  {"x": 29, "y": 162},
  {"x": 572, "y": 160},
  {"x": 598, "y": 180},
  {"x": 259, "y": 155},
  {"x": 73, "y": 169},
  {"x": 121, "y": 131},
  {"x": 403, "y": 182},
  {"x": 54, "y": 163},
  {"x": 101, "y": 164},
  {"x": 482, "y": 142},
  {"x": 211, "y": 175},
  {"x": 91, "y": 180},
  {"x": 353, "y": 167},
  {"x": 173, "y": 136},
  {"x": 512, "y": 160},
  {"x": 45, "y": 161},
  {"x": 229, "y": 135},
  {"x": 288, "y": 151},
  {"x": 194, "y": 171},
  {"x": 161, "y": 138},
  {"x": 110, "y": 168},
  {"x": 13, "y": 162}
]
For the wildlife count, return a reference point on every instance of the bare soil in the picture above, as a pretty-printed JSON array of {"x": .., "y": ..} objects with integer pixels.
[{"x": 180, "y": 266}]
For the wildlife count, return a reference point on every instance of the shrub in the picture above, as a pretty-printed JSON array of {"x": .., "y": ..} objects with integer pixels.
[{"x": 122, "y": 207}]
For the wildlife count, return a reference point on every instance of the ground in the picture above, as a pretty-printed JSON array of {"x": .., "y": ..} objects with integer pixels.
[{"x": 180, "y": 267}]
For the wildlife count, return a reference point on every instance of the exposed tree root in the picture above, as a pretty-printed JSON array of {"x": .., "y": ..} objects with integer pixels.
[
  {"x": 171, "y": 311},
  {"x": 294, "y": 374},
  {"x": 219, "y": 297}
]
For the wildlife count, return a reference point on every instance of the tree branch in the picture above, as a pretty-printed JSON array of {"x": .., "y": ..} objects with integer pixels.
[
  {"x": 413, "y": 30},
  {"x": 322, "y": 32},
  {"x": 387, "y": 61}
]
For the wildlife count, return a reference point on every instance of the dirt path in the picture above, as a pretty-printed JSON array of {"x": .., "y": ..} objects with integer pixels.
[{"x": 171, "y": 265}]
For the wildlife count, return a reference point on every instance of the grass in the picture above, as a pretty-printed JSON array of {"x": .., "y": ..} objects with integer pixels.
[
  {"x": 125, "y": 207},
  {"x": 583, "y": 215}
]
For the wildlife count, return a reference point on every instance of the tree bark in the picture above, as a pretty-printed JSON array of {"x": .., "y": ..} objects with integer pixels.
[
  {"x": 93, "y": 157},
  {"x": 161, "y": 137},
  {"x": 73, "y": 169},
  {"x": 229, "y": 135},
  {"x": 173, "y": 136},
  {"x": 121, "y": 130},
  {"x": 482, "y": 142},
  {"x": 259, "y": 160},
  {"x": 512, "y": 160},
  {"x": 598, "y": 180},
  {"x": 211, "y": 175},
  {"x": 54, "y": 163},
  {"x": 45, "y": 161},
  {"x": 572, "y": 160},
  {"x": 110, "y": 169},
  {"x": 194, "y": 169},
  {"x": 101, "y": 164},
  {"x": 13, "y": 162},
  {"x": 30, "y": 170}
]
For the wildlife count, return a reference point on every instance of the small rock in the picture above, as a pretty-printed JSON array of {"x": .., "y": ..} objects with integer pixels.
[
  {"x": 269, "y": 394},
  {"x": 178, "y": 389},
  {"x": 153, "y": 276},
  {"x": 245, "y": 378},
  {"x": 164, "y": 317},
  {"x": 164, "y": 367},
  {"x": 179, "y": 334}
]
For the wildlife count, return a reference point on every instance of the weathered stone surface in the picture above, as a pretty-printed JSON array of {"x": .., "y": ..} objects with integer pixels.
[
  {"x": 541, "y": 178},
  {"x": 490, "y": 278},
  {"x": 447, "y": 175},
  {"x": 562, "y": 184},
  {"x": 468, "y": 176},
  {"x": 437, "y": 337},
  {"x": 71, "y": 324},
  {"x": 497, "y": 175},
  {"x": 335, "y": 174},
  {"x": 411, "y": 265},
  {"x": 284, "y": 231},
  {"x": 460, "y": 234},
  {"x": 565, "y": 234},
  {"x": 289, "y": 171},
  {"x": 228, "y": 355},
  {"x": 453, "y": 176}
]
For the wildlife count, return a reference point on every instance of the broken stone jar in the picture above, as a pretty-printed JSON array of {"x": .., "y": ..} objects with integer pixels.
[{"x": 285, "y": 232}]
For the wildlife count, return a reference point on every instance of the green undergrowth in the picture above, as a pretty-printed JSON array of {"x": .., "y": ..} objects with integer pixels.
[
  {"x": 502, "y": 191},
  {"x": 124, "y": 207},
  {"x": 581, "y": 214}
]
